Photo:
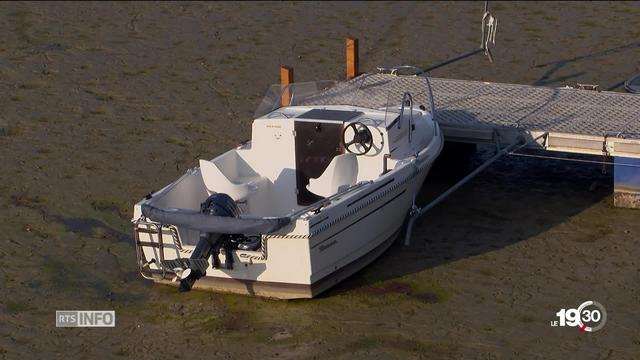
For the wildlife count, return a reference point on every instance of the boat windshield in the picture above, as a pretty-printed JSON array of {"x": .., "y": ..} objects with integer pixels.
[{"x": 378, "y": 90}]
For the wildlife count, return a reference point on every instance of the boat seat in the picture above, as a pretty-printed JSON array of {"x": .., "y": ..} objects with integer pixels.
[
  {"x": 239, "y": 185},
  {"x": 342, "y": 172}
]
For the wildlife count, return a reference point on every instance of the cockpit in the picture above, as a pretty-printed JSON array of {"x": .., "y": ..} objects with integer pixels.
[{"x": 311, "y": 149}]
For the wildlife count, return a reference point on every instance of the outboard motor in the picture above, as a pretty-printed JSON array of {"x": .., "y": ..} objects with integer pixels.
[{"x": 210, "y": 243}]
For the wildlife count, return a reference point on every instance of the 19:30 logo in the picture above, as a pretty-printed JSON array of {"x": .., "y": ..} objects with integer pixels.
[{"x": 590, "y": 316}]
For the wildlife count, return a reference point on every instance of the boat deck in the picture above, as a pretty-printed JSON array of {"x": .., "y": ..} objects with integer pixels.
[{"x": 571, "y": 120}]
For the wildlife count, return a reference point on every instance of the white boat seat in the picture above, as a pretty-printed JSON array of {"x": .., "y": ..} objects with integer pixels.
[
  {"x": 342, "y": 172},
  {"x": 239, "y": 187}
]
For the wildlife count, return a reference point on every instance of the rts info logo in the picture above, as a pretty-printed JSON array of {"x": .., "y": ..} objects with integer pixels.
[{"x": 590, "y": 316}]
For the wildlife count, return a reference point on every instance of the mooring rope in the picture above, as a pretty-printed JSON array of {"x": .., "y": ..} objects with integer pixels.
[{"x": 574, "y": 160}]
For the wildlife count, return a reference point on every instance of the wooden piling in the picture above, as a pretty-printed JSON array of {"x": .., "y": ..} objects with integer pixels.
[
  {"x": 352, "y": 58},
  {"x": 286, "y": 78}
]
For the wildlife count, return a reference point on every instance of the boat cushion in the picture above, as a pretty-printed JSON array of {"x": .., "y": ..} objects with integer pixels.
[
  {"x": 238, "y": 188},
  {"x": 342, "y": 172}
]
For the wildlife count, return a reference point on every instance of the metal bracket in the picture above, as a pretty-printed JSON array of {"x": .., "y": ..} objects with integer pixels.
[
  {"x": 496, "y": 139},
  {"x": 489, "y": 29},
  {"x": 591, "y": 87}
]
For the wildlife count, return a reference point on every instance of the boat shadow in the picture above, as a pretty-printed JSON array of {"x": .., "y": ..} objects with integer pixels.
[{"x": 514, "y": 200}]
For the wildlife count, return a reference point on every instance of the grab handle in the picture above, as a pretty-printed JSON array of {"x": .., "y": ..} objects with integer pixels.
[{"x": 407, "y": 98}]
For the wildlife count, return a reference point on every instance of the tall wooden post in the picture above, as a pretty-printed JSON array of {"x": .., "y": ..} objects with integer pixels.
[
  {"x": 286, "y": 78},
  {"x": 351, "y": 48}
]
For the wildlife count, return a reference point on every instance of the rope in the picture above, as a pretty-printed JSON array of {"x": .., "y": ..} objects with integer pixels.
[
  {"x": 574, "y": 160},
  {"x": 176, "y": 240},
  {"x": 175, "y": 237},
  {"x": 263, "y": 251}
]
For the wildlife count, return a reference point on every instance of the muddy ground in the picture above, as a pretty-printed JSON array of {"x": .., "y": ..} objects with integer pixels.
[{"x": 102, "y": 103}]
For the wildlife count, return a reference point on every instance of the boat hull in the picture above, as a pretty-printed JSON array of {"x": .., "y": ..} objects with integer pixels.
[
  {"x": 281, "y": 290},
  {"x": 328, "y": 254},
  {"x": 324, "y": 244}
]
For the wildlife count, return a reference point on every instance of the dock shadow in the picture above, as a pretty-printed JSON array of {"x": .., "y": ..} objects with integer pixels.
[{"x": 512, "y": 201}]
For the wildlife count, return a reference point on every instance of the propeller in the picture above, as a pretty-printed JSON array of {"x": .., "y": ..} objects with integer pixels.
[{"x": 181, "y": 274}]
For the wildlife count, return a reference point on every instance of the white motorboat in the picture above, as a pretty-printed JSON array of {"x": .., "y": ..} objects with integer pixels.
[{"x": 322, "y": 189}]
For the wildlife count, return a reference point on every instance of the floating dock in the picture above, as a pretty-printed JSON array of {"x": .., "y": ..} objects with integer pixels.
[
  {"x": 562, "y": 119},
  {"x": 553, "y": 119},
  {"x": 575, "y": 120}
]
